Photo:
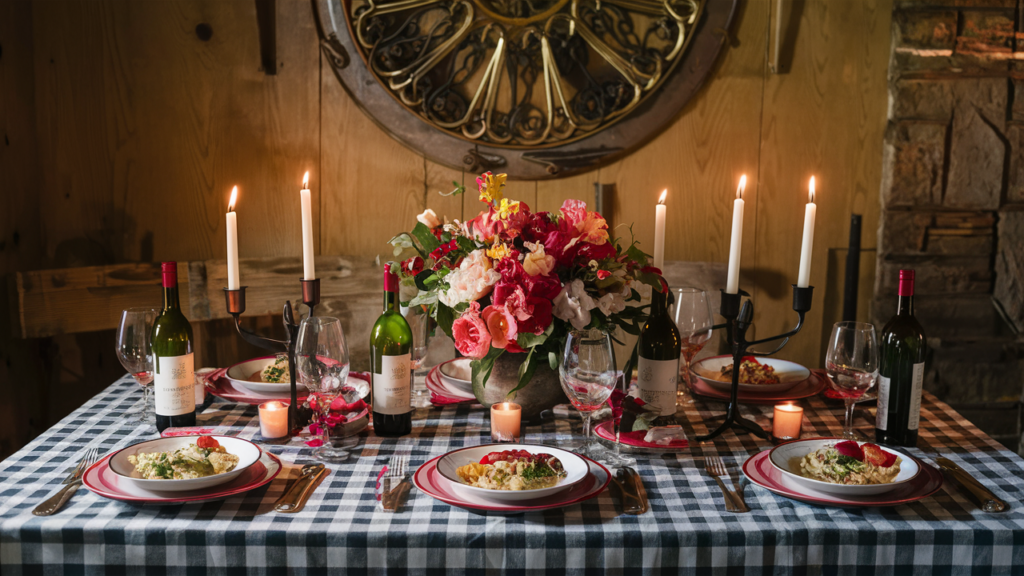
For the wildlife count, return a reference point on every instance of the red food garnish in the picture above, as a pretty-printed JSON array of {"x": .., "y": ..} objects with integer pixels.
[
  {"x": 207, "y": 442},
  {"x": 851, "y": 449},
  {"x": 877, "y": 456}
]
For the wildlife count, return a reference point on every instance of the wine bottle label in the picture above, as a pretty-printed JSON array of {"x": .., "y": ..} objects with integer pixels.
[
  {"x": 392, "y": 393},
  {"x": 173, "y": 382},
  {"x": 917, "y": 380},
  {"x": 882, "y": 418},
  {"x": 657, "y": 382}
]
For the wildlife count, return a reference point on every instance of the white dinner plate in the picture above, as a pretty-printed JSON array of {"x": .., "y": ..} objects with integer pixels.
[
  {"x": 240, "y": 373},
  {"x": 576, "y": 469},
  {"x": 247, "y": 452},
  {"x": 790, "y": 374},
  {"x": 786, "y": 458},
  {"x": 458, "y": 375}
]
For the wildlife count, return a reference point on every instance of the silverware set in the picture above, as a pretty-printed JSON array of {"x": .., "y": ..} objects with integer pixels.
[
  {"x": 294, "y": 499},
  {"x": 988, "y": 501},
  {"x": 71, "y": 484},
  {"x": 631, "y": 490},
  {"x": 395, "y": 483},
  {"x": 715, "y": 468}
]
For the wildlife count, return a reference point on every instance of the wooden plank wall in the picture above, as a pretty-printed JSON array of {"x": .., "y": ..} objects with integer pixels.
[{"x": 126, "y": 132}]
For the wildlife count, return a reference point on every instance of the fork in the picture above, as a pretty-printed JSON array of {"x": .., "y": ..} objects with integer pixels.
[
  {"x": 716, "y": 468},
  {"x": 394, "y": 482},
  {"x": 71, "y": 484}
]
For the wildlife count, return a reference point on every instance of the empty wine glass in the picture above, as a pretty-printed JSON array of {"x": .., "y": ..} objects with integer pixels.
[
  {"x": 136, "y": 355},
  {"x": 321, "y": 360},
  {"x": 419, "y": 323},
  {"x": 588, "y": 376},
  {"x": 852, "y": 365},
  {"x": 692, "y": 315}
]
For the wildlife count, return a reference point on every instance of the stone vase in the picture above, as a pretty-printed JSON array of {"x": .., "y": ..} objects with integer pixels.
[{"x": 542, "y": 393}]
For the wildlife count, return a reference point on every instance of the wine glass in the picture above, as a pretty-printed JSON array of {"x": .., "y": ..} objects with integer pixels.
[
  {"x": 321, "y": 359},
  {"x": 419, "y": 324},
  {"x": 852, "y": 365},
  {"x": 136, "y": 355},
  {"x": 692, "y": 315},
  {"x": 588, "y": 376}
]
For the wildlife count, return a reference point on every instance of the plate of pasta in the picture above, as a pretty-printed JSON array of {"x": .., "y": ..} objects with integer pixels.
[
  {"x": 757, "y": 374},
  {"x": 843, "y": 467},
  {"x": 510, "y": 472}
]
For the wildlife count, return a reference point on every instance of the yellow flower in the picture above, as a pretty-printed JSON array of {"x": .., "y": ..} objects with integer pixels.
[
  {"x": 491, "y": 187},
  {"x": 498, "y": 251},
  {"x": 506, "y": 208}
]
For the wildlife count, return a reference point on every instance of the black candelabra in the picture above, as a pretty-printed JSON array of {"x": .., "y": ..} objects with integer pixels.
[
  {"x": 235, "y": 300},
  {"x": 737, "y": 321}
]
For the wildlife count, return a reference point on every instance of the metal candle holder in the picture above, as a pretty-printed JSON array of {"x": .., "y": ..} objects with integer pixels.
[
  {"x": 737, "y": 321},
  {"x": 235, "y": 302}
]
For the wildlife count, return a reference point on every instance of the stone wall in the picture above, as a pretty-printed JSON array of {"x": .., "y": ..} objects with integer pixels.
[{"x": 953, "y": 198}]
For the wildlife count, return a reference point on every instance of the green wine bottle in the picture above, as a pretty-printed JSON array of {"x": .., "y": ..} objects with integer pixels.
[
  {"x": 901, "y": 371},
  {"x": 173, "y": 376},
  {"x": 390, "y": 360},
  {"x": 658, "y": 350}
]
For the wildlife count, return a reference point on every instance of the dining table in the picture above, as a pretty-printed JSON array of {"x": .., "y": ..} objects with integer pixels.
[{"x": 343, "y": 527}]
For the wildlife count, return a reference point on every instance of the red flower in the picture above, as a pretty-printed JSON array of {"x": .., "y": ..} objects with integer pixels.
[
  {"x": 541, "y": 318},
  {"x": 538, "y": 226},
  {"x": 602, "y": 274},
  {"x": 588, "y": 252},
  {"x": 413, "y": 266}
]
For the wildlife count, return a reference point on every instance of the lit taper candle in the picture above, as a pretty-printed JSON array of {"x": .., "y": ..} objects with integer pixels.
[
  {"x": 810, "y": 211},
  {"x": 308, "y": 268},
  {"x": 732, "y": 283},
  {"x": 232, "y": 228},
  {"x": 659, "y": 232}
]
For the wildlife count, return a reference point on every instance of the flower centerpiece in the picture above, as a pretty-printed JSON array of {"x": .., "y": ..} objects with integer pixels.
[{"x": 513, "y": 282}]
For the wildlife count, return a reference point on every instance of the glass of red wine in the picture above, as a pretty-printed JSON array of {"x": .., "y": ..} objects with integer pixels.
[
  {"x": 852, "y": 365},
  {"x": 692, "y": 314},
  {"x": 588, "y": 376},
  {"x": 135, "y": 353},
  {"x": 322, "y": 363}
]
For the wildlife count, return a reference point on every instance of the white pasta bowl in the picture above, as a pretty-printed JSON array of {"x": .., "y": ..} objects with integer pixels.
[
  {"x": 790, "y": 374},
  {"x": 786, "y": 458},
  {"x": 576, "y": 469},
  {"x": 247, "y": 452},
  {"x": 240, "y": 375},
  {"x": 458, "y": 374}
]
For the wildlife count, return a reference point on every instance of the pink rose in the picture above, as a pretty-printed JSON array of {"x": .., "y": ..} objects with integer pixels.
[
  {"x": 501, "y": 325},
  {"x": 471, "y": 336},
  {"x": 574, "y": 212}
]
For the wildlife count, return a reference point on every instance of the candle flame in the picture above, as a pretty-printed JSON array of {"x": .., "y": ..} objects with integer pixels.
[
  {"x": 810, "y": 193},
  {"x": 305, "y": 181},
  {"x": 234, "y": 196},
  {"x": 664, "y": 193},
  {"x": 742, "y": 187}
]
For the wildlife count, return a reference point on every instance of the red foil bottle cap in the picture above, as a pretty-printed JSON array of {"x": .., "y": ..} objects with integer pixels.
[
  {"x": 390, "y": 280},
  {"x": 906, "y": 283},
  {"x": 169, "y": 271}
]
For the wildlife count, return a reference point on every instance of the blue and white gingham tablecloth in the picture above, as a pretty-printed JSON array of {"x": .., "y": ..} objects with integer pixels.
[{"x": 687, "y": 529}]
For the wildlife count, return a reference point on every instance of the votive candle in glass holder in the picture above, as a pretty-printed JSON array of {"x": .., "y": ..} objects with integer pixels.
[
  {"x": 273, "y": 419},
  {"x": 505, "y": 420},
  {"x": 788, "y": 421}
]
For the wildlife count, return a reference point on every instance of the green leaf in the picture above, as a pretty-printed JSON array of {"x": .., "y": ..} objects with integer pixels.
[
  {"x": 482, "y": 370},
  {"x": 526, "y": 370},
  {"x": 553, "y": 360},
  {"x": 445, "y": 318},
  {"x": 644, "y": 421},
  {"x": 530, "y": 340},
  {"x": 423, "y": 298},
  {"x": 425, "y": 237},
  {"x": 426, "y": 279},
  {"x": 637, "y": 255}
]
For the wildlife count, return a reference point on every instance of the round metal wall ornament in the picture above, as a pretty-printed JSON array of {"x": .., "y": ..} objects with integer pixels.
[{"x": 533, "y": 88}]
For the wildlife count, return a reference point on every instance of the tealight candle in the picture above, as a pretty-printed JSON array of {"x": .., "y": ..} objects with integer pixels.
[
  {"x": 505, "y": 420},
  {"x": 274, "y": 419},
  {"x": 789, "y": 419}
]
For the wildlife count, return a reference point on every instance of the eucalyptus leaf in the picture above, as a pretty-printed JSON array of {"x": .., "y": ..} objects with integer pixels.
[
  {"x": 482, "y": 370},
  {"x": 553, "y": 360},
  {"x": 526, "y": 370},
  {"x": 423, "y": 298}
]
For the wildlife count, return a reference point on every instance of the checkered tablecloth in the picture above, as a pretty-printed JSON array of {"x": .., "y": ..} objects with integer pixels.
[{"x": 342, "y": 526}]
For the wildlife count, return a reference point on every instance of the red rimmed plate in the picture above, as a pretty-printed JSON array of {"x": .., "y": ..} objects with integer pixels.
[
  {"x": 810, "y": 387},
  {"x": 635, "y": 440},
  {"x": 430, "y": 481},
  {"x": 758, "y": 468},
  {"x": 443, "y": 395},
  {"x": 103, "y": 481}
]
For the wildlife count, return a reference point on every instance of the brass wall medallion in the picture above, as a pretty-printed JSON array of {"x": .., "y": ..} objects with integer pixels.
[{"x": 535, "y": 88}]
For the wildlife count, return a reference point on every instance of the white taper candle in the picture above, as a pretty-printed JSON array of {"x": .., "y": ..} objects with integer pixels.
[
  {"x": 308, "y": 266},
  {"x": 732, "y": 283},
  {"x": 659, "y": 232},
  {"x": 232, "y": 231},
  {"x": 806, "y": 249}
]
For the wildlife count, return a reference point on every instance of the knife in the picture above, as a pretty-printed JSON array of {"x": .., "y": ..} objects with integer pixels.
[
  {"x": 982, "y": 495},
  {"x": 294, "y": 500},
  {"x": 631, "y": 491}
]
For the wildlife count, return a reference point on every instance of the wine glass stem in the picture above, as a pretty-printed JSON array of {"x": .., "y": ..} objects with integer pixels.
[
  {"x": 586, "y": 430},
  {"x": 850, "y": 403},
  {"x": 325, "y": 429}
]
